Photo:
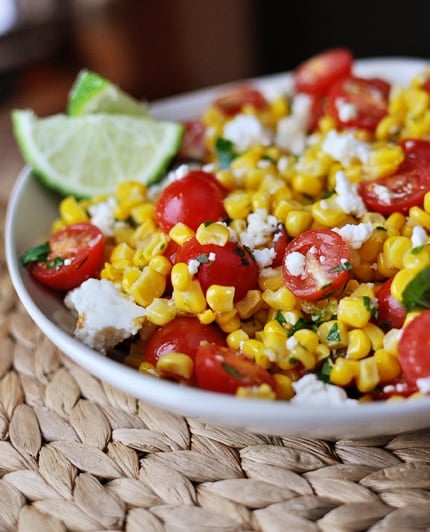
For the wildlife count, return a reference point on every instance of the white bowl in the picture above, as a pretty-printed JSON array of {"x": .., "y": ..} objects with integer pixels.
[{"x": 30, "y": 213}]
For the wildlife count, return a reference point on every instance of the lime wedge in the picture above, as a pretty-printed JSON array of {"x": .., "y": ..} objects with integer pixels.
[
  {"x": 89, "y": 155},
  {"x": 91, "y": 93}
]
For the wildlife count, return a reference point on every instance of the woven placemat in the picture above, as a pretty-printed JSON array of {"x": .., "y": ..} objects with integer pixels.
[{"x": 76, "y": 454}]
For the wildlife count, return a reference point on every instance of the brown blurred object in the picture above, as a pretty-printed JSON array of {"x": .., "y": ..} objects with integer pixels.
[{"x": 150, "y": 49}]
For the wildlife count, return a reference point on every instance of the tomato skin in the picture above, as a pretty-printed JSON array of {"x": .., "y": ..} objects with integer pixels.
[
  {"x": 232, "y": 102},
  {"x": 181, "y": 335},
  {"x": 82, "y": 244},
  {"x": 219, "y": 369},
  {"x": 391, "y": 313},
  {"x": 234, "y": 265},
  {"x": 316, "y": 75},
  {"x": 315, "y": 244},
  {"x": 193, "y": 199},
  {"x": 369, "y": 98},
  {"x": 414, "y": 348},
  {"x": 193, "y": 146},
  {"x": 279, "y": 243},
  {"x": 407, "y": 186}
]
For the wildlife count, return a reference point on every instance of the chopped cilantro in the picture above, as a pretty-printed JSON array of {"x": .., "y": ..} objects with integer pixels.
[
  {"x": 231, "y": 370},
  {"x": 416, "y": 250},
  {"x": 370, "y": 306},
  {"x": 225, "y": 152},
  {"x": 279, "y": 317},
  {"x": 36, "y": 254},
  {"x": 301, "y": 323},
  {"x": 333, "y": 334},
  {"x": 292, "y": 360},
  {"x": 327, "y": 195},
  {"x": 343, "y": 267},
  {"x": 203, "y": 258},
  {"x": 324, "y": 372},
  {"x": 416, "y": 295},
  {"x": 380, "y": 228}
]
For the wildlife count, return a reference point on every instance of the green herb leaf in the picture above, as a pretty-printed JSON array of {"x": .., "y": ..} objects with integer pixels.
[
  {"x": 56, "y": 262},
  {"x": 334, "y": 334},
  {"x": 345, "y": 266},
  {"x": 416, "y": 250},
  {"x": 225, "y": 152},
  {"x": 301, "y": 323},
  {"x": 203, "y": 258},
  {"x": 36, "y": 254},
  {"x": 279, "y": 317},
  {"x": 324, "y": 372},
  {"x": 231, "y": 370},
  {"x": 416, "y": 295},
  {"x": 369, "y": 305}
]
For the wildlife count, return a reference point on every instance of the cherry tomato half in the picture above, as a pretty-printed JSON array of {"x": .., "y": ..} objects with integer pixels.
[
  {"x": 406, "y": 187},
  {"x": 193, "y": 199},
  {"x": 219, "y": 369},
  {"x": 358, "y": 103},
  {"x": 317, "y": 74},
  {"x": 414, "y": 348},
  {"x": 316, "y": 263},
  {"x": 233, "y": 101},
  {"x": 228, "y": 265},
  {"x": 76, "y": 253},
  {"x": 391, "y": 312},
  {"x": 193, "y": 146},
  {"x": 181, "y": 335},
  {"x": 279, "y": 243}
]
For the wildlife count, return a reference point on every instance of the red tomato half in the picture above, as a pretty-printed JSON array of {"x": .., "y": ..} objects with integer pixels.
[
  {"x": 414, "y": 348},
  {"x": 321, "y": 265},
  {"x": 232, "y": 265},
  {"x": 279, "y": 243},
  {"x": 232, "y": 102},
  {"x": 406, "y": 187},
  {"x": 391, "y": 312},
  {"x": 193, "y": 199},
  {"x": 76, "y": 254},
  {"x": 219, "y": 369},
  {"x": 317, "y": 74},
  {"x": 358, "y": 103},
  {"x": 193, "y": 145},
  {"x": 181, "y": 335}
]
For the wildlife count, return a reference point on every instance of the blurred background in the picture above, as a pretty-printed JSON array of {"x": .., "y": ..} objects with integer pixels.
[{"x": 159, "y": 48}]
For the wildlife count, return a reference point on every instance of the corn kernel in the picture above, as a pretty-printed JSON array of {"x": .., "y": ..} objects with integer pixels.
[
  {"x": 391, "y": 341},
  {"x": 375, "y": 334},
  {"x": 212, "y": 233},
  {"x": 72, "y": 212},
  {"x": 342, "y": 372},
  {"x": 333, "y": 333},
  {"x": 236, "y": 338},
  {"x": 220, "y": 298},
  {"x": 420, "y": 216},
  {"x": 297, "y": 221},
  {"x": 207, "y": 316},
  {"x": 146, "y": 285},
  {"x": 280, "y": 299},
  {"x": 327, "y": 213},
  {"x": 401, "y": 280},
  {"x": 383, "y": 161},
  {"x": 353, "y": 311},
  {"x": 359, "y": 344},
  {"x": 284, "y": 386},
  {"x": 191, "y": 299},
  {"x": 177, "y": 364},
  {"x": 181, "y": 233},
  {"x": 160, "y": 264},
  {"x": 271, "y": 279},
  {"x": 388, "y": 366},
  {"x": 394, "y": 249},
  {"x": 160, "y": 311},
  {"x": 368, "y": 376},
  {"x": 250, "y": 304},
  {"x": 307, "y": 338},
  {"x": 238, "y": 204}
]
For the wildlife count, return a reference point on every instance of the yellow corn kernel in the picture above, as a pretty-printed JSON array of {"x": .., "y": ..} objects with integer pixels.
[
  {"x": 279, "y": 107},
  {"x": 220, "y": 298},
  {"x": 342, "y": 373},
  {"x": 280, "y": 299},
  {"x": 180, "y": 276},
  {"x": 394, "y": 249},
  {"x": 256, "y": 350},
  {"x": 207, "y": 316},
  {"x": 299, "y": 353},
  {"x": 142, "y": 212},
  {"x": 155, "y": 245},
  {"x": 297, "y": 221},
  {"x": 272, "y": 326},
  {"x": 327, "y": 213},
  {"x": 427, "y": 202},
  {"x": 271, "y": 279},
  {"x": 226, "y": 179},
  {"x": 190, "y": 300},
  {"x": 57, "y": 225},
  {"x": 122, "y": 252},
  {"x": 326, "y": 123},
  {"x": 177, "y": 364},
  {"x": 384, "y": 267},
  {"x": 305, "y": 184},
  {"x": 253, "y": 178},
  {"x": 123, "y": 233},
  {"x": 333, "y": 333},
  {"x": 307, "y": 338},
  {"x": 373, "y": 246},
  {"x": 238, "y": 204},
  {"x": 146, "y": 285},
  {"x": 275, "y": 343},
  {"x": 420, "y": 216},
  {"x": 113, "y": 272},
  {"x": 411, "y": 316},
  {"x": 368, "y": 376},
  {"x": 284, "y": 386},
  {"x": 353, "y": 311},
  {"x": 417, "y": 258},
  {"x": 388, "y": 365},
  {"x": 383, "y": 161},
  {"x": 247, "y": 160},
  {"x": 148, "y": 369},
  {"x": 375, "y": 334},
  {"x": 264, "y": 391},
  {"x": 359, "y": 344},
  {"x": 181, "y": 233},
  {"x": 160, "y": 311},
  {"x": 127, "y": 190},
  {"x": 213, "y": 233},
  {"x": 401, "y": 280},
  {"x": 228, "y": 321},
  {"x": 364, "y": 290},
  {"x": 260, "y": 200},
  {"x": 250, "y": 304},
  {"x": 160, "y": 264},
  {"x": 391, "y": 341},
  {"x": 396, "y": 219},
  {"x": 417, "y": 100},
  {"x": 387, "y": 127},
  {"x": 144, "y": 231},
  {"x": 321, "y": 352},
  {"x": 236, "y": 338},
  {"x": 72, "y": 212}
]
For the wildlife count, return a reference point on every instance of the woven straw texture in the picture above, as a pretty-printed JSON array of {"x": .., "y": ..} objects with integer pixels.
[{"x": 76, "y": 454}]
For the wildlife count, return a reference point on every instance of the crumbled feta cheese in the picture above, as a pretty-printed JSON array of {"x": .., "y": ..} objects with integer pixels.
[
  {"x": 291, "y": 343},
  {"x": 384, "y": 194},
  {"x": 106, "y": 316},
  {"x": 193, "y": 266},
  {"x": 344, "y": 147},
  {"x": 419, "y": 236},
  {"x": 102, "y": 215},
  {"x": 355, "y": 235},
  {"x": 301, "y": 107},
  {"x": 348, "y": 198},
  {"x": 312, "y": 391},
  {"x": 424, "y": 385},
  {"x": 295, "y": 263},
  {"x": 347, "y": 111},
  {"x": 291, "y": 134},
  {"x": 264, "y": 257},
  {"x": 245, "y": 131},
  {"x": 260, "y": 226}
]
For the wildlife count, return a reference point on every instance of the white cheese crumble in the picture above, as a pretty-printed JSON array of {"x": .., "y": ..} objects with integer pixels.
[
  {"x": 348, "y": 198},
  {"x": 383, "y": 193},
  {"x": 295, "y": 262},
  {"x": 102, "y": 215},
  {"x": 260, "y": 226},
  {"x": 347, "y": 111},
  {"x": 355, "y": 235},
  {"x": 419, "y": 236},
  {"x": 106, "y": 316},
  {"x": 312, "y": 391},
  {"x": 291, "y": 133},
  {"x": 194, "y": 264},
  {"x": 344, "y": 147},
  {"x": 245, "y": 131},
  {"x": 264, "y": 257},
  {"x": 424, "y": 385}
]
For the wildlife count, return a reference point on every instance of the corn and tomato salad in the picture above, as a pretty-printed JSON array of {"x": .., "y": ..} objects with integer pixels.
[{"x": 289, "y": 247}]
